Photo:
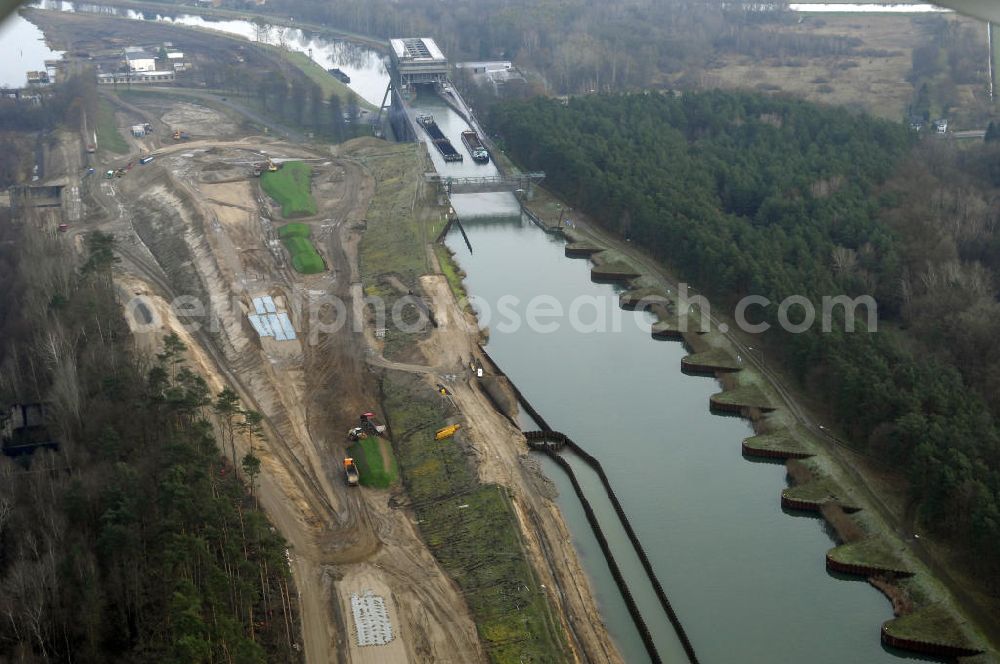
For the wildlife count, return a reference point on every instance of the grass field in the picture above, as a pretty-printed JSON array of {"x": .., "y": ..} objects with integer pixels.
[
  {"x": 290, "y": 186},
  {"x": 372, "y": 469},
  {"x": 327, "y": 83},
  {"x": 931, "y": 623},
  {"x": 394, "y": 238},
  {"x": 305, "y": 258},
  {"x": 108, "y": 136},
  {"x": 471, "y": 529}
]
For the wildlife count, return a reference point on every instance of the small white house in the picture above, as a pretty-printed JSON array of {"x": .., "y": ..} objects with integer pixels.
[
  {"x": 140, "y": 61},
  {"x": 138, "y": 130},
  {"x": 175, "y": 55}
]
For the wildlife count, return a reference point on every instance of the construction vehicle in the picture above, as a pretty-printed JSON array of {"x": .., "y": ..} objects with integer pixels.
[
  {"x": 371, "y": 427},
  {"x": 350, "y": 472},
  {"x": 368, "y": 427},
  {"x": 447, "y": 432},
  {"x": 256, "y": 170},
  {"x": 177, "y": 134},
  {"x": 271, "y": 166}
]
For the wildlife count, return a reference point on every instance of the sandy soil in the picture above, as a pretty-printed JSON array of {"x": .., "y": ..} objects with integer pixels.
[
  {"x": 340, "y": 540},
  {"x": 197, "y": 120},
  {"x": 337, "y": 538}
]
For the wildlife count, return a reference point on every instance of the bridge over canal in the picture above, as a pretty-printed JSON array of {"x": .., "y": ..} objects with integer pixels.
[{"x": 519, "y": 183}]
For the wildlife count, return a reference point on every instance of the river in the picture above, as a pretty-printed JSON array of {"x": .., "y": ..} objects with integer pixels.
[
  {"x": 363, "y": 64},
  {"x": 22, "y": 49},
  {"x": 747, "y": 580}
]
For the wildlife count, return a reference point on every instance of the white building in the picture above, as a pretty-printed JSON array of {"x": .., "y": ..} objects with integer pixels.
[
  {"x": 140, "y": 61},
  {"x": 485, "y": 66}
]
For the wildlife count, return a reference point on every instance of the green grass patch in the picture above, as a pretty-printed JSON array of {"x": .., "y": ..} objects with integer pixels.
[
  {"x": 749, "y": 396},
  {"x": 394, "y": 240},
  {"x": 932, "y": 623},
  {"x": 290, "y": 186},
  {"x": 326, "y": 82},
  {"x": 820, "y": 490},
  {"x": 779, "y": 441},
  {"x": 451, "y": 271},
  {"x": 305, "y": 258},
  {"x": 873, "y": 552},
  {"x": 108, "y": 136},
  {"x": 471, "y": 529},
  {"x": 717, "y": 358},
  {"x": 373, "y": 472},
  {"x": 294, "y": 229}
]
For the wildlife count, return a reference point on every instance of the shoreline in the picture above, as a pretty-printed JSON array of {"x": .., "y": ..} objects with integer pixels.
[{"x": 615, "y": 260}]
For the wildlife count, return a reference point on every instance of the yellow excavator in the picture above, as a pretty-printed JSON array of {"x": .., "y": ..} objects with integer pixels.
[{"x": 447, "y": 432}]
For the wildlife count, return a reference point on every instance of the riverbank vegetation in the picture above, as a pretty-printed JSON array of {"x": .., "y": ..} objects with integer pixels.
[
  {"x": 745, "y": 194},
  {"x": 471, "y": 529},
  {"x": 135, "y": 540}
]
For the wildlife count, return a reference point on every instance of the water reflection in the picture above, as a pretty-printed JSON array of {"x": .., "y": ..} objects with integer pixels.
[{"x": 363, "y": 64}]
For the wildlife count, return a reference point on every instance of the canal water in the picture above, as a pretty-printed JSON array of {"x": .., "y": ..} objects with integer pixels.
[
  {"x": 747, "y": 580},
  {"x": 22, "y": 49}
]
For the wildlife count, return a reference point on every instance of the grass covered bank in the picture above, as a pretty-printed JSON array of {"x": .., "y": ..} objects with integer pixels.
[
  {"x": 108, "y": 136},
  {"x": 470, "y": 528}
]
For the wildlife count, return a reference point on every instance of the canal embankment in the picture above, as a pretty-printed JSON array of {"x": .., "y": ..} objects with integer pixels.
[{"x": 782, "y": 432}]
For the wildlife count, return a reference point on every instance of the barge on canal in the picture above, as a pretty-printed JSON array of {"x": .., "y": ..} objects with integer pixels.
[
  {"x": 475, "y": 147},
  {"x": 439, "y": 140}
]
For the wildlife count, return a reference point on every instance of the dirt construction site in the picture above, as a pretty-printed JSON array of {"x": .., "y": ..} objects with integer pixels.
[{"x": 201, "y": 255}]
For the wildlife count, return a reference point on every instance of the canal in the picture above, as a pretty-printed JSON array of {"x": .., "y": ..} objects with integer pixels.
[
  {"x": 747, "y": 580},
  {"x": 22, "y": 49}
]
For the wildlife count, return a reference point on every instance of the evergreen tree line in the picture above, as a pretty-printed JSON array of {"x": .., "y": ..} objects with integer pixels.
[
  {"x": 290, "y": 96},
  {"x": 745, "y": 194},
  {"x": 135, "y": 541}
]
